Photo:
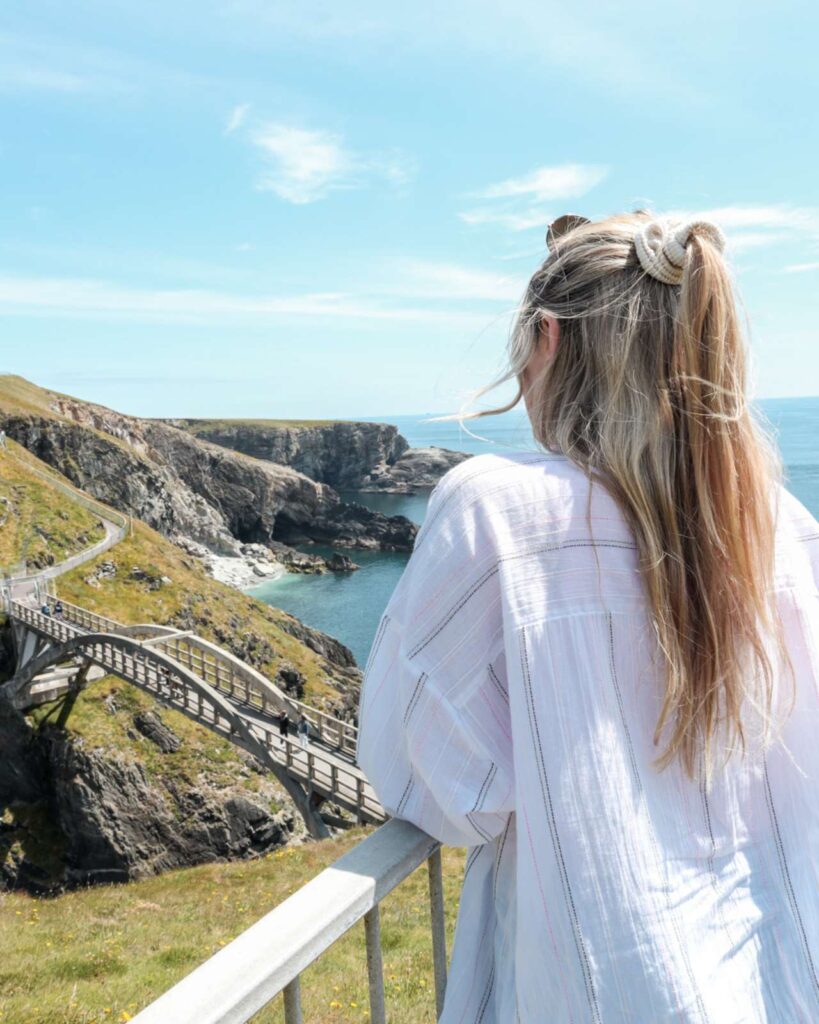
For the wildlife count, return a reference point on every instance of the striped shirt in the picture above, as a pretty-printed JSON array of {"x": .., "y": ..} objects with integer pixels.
[{"x": 508, "y": 705}]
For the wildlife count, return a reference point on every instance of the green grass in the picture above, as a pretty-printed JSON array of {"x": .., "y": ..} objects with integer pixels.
[
  {"x": 18, "y": 395},
  {"x": 203, "y": 426},
  {"x": 39, "y": 523},
  {"x": 101, "y": 954},
  {"x": 202, "y": 756}
]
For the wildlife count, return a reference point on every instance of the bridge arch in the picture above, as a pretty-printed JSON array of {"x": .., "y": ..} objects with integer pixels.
[{"x": 155, "y": 672}]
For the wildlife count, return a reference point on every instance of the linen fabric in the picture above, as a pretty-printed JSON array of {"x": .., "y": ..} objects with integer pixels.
[{"x": 508, "y": 706}]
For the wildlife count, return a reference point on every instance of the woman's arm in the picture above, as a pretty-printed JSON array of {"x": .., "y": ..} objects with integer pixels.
[{"x": 434, "y": 728}]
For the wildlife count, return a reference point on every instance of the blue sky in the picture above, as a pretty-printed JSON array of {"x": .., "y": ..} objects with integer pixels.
[{"x": 330, "y": 210}]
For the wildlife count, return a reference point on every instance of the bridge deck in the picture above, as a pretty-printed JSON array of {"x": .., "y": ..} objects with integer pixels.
[{"x": 328, "y": 772}]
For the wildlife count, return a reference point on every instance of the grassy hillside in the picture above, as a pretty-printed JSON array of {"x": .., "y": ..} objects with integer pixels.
[
  {"x": 37, "y": 522},
  {"x": 138, "y": 592},
  {"x": 201, "y": 426},
  {"x": 18, "y": 395},
  {"x": 102, "y": 954}
]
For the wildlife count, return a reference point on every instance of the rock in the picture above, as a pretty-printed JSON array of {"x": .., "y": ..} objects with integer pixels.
[
  {"x": 346, "y": 454},
  {"x": 340, "y": 453},
  {"x": 417, "y": 469},
  {"x": 341, "y": 563},
  {"x": 153, "y": 728},
  {"x": 291, "y": 680},
  {"x": 104, "y": 819}
]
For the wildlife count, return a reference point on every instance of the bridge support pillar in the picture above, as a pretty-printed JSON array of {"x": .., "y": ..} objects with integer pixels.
[{"x": 78, "y": 683}]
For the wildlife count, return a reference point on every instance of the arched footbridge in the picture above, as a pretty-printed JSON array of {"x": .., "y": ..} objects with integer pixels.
[{"x": 205, "y": 683}]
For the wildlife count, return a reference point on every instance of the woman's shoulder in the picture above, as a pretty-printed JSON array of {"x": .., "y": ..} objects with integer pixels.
[{"x": 490, "y": 472}]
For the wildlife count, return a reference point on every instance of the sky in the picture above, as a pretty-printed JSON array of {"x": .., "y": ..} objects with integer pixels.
[{"x": 280, "y": 209}]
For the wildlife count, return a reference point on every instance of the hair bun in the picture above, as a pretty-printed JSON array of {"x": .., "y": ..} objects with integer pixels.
[{"x": 661, "y": 245}]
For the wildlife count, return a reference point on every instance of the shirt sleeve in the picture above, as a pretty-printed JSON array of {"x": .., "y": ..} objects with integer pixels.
[{"x": 434, "y": 726}]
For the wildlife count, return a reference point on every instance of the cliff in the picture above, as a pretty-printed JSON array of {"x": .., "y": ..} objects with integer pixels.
[
  {"x": 341, "y": 453},
  {"x": 127, "y": 791},
  {"x": 187, "y": 488},
  {"x": 344, "y": 453}
]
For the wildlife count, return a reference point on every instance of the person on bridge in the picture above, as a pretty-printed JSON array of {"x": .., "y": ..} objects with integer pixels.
[
  {"x": 284, "y": 725},
  {"x": 599, "y": 670},
  {"x": 303, "y": 729},
  {"x": 58, "y": 609},
  {"x": 45, "y": 609}
]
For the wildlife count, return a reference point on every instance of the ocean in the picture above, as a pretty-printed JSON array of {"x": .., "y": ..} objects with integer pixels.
[{"x": 349, "y": 605}]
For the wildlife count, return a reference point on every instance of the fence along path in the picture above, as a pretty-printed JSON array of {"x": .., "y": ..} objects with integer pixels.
[{"x": 222, "y": 703}]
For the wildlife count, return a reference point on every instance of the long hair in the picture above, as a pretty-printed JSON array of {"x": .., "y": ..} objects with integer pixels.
[{"x": 647, "y": 393}]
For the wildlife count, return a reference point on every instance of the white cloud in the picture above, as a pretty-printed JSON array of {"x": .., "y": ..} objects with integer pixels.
[
  {"x": 237, "y": 118},
  {"x": 24, "y": 78},
  {"x": 748, "y": 227},
  {"x": 451, "y": 281},
  {"x": 516, "y": 203},
  {"x": 95, "y": 298},
  {"x": 544, "y": 184},
  {"x": 303, "y": 165},
  {"x": 801, "y": 268}
]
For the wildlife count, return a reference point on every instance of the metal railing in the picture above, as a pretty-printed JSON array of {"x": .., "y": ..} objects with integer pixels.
[{"x": 267, "y": 959}]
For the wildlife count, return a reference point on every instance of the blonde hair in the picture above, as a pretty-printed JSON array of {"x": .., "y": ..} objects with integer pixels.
[{"x": 647, "y": 393}]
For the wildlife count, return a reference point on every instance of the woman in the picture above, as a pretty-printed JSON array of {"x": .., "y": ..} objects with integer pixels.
[{"x": 644, "y": 582}]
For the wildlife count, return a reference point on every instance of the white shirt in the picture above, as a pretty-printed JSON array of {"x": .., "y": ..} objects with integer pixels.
[{"x": 508, "y": 705}]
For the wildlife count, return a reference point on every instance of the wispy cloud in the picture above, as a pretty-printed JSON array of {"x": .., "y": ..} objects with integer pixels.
[
  {"x": 547, "y": 183},
  {"x": 24, "y": 78},
  {"x": 763, "y": 226},
  {"x": 237, "y": 118},
  {"x": 303, "y": 165},
  {"x": 452, "y": 281},
  {"x": 801, "y": 268},
  {"x": 96, "y": 298},
  {"x": 517, "y": 203}
]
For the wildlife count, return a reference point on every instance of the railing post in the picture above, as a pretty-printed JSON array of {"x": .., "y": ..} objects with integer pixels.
[
  {"x": 292, "y": 1002},
  {"x": 359, "y": 798},
  {"x": 375, "y": 970},
  {"x": 436, "y": 910}
]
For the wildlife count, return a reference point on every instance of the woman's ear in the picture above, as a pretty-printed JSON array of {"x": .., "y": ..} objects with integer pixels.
[{"x": 549, "y": 337}]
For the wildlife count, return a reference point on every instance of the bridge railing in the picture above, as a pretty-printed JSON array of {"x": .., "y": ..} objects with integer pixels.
[
  {"x": 227, "y": 673},
  {"x": 328, "y": 777},
  {"x": 267, "y": 959}
]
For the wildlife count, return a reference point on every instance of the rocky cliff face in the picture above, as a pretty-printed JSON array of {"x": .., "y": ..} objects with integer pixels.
[
  {"x": 189, "y": 488},
  {"x": 73, "y": 815},
  {"x": 341, "y": 453},
  {"x": 358, "y": 456}
]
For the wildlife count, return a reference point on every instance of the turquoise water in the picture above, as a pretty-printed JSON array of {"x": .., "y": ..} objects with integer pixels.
[{"x": 348, "y": 606}]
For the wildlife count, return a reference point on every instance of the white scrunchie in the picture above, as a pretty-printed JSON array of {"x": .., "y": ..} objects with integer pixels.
[{"x": 661, "y": 243}]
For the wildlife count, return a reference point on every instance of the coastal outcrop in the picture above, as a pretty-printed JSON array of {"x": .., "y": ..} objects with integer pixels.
[
  {"x": 415, "y": 470},
  {"x": 76, "y": 813},
  {"x": 347, "y": 454},
  {"x": 341, "y": 453},
  {"x": 200, "y": 493}
]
